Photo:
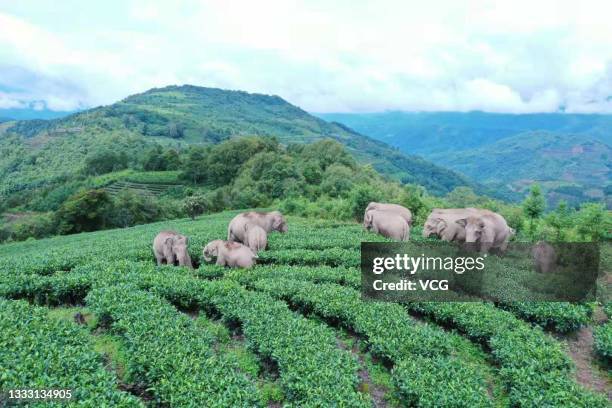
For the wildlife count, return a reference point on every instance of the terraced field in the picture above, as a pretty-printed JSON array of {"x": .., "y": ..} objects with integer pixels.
[{"x": 94, "y": 314}]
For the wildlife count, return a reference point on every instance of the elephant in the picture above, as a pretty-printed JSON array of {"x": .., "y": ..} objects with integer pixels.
[
  {"x": 544, "y": 257},
  {"x": 441, "y": 222},
  {"x": 486, "y": 230},
  {"x": 388, "y": 224},
  {"x": 396, "y": 208},
  {"x": 232, "y": 254},
  {"x": 256, "y": 237},
  {"x": 269, "y": 221},
  {"x": 170, "y": 246}
]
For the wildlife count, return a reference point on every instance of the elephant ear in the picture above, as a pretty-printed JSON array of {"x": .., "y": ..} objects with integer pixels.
[
  {"x": 276, "y": 221},
  {"x": 440, "y": 225},
  {"x": 168, "y": 243},
  {"x": 462, "y": 222}
]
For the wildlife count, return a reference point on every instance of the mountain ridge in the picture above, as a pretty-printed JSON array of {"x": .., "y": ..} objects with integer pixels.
[
  {"x": 506, "y": 150},
  {"x": 185, "y": 115}
]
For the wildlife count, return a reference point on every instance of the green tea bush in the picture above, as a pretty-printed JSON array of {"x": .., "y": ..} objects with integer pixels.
[
  {"x": 313, "y": 372},
  {"x": 394, "y": 336},
  {"x": 169, "y": 353},
  {"x": 533, "y": 366},
  {"x": 41, "y": 354}
]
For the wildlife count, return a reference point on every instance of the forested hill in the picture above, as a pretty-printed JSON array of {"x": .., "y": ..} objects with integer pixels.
[
  {"x": 39, "y": 150},
  {"x": 568, "y": 154}
]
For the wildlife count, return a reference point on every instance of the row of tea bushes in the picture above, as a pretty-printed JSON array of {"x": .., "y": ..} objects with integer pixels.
[{"x": 40, "y": 353}]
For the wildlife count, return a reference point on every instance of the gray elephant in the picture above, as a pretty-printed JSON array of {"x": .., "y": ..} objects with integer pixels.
[
  {"x": 256, "y": 237},
  {"x": 269, "y": 221},
  {"x": 388, "y": 224},
  {"x": 396, "y": 208},
  {"x": 170, "y": 246},
  {"x": 544, "y": 257},
  {"x": 486, "y": 230},
  {"x": 232, "y": 254},
  {"x": 442, "y": 223}
]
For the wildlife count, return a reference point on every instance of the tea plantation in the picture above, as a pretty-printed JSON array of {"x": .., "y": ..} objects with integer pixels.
[{"x": 93, "y": 313}]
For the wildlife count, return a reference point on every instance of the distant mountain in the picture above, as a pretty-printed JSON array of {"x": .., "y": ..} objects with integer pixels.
[
  {"x": 42, "y": 151},
  {"x": 29, "y": 113},
  {"x": 569, "y": 154}
]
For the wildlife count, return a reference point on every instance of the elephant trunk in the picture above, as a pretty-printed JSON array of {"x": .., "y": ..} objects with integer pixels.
[{"x": 185, "y": 260}]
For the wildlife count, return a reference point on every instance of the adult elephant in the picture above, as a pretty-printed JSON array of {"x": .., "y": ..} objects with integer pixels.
[
  {"x": 441, "y": 222},
  {"x": 388, "y": 224},
  {"x": 170, "y": 246},
  {"x": 269, "y": 221},
  {"x": 486, "y": 230},
  {"x": 395, "y": 208}
]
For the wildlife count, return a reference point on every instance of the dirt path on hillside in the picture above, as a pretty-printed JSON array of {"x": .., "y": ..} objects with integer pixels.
[
  {"x": 588, "y": 373},
  {"x": 377, "y": 393}
]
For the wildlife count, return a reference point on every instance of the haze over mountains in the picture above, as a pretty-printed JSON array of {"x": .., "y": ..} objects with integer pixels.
[{"x": 569, "y": 154}]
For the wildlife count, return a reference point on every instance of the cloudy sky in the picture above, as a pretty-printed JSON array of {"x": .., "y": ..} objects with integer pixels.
[{"x": 325, "y": 56}]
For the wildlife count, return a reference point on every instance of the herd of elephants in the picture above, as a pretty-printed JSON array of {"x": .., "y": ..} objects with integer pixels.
[{"x": 247, "y": 234}]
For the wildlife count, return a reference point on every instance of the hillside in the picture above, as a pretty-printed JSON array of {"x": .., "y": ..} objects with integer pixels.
[
  {"x": 568, "y": 153},
  {"x": 569, "y": 169},
  {"x": 294, "y": 330},
  {"x": 39, "y": 151}
]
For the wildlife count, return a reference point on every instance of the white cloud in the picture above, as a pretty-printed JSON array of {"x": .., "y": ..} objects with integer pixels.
[{"x": 520, "y": 56}]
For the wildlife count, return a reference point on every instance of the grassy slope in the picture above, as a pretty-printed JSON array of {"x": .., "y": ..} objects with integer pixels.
[{"x": 40, "y": 151}]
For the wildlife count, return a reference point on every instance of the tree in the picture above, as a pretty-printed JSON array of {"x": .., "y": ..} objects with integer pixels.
[
  {"x": 172, "y": 159},
  {"x": 360, "y": 197},
  {"x": 154, "y": 160},
  {"x": 560, "y": 220},
  {"x": 195, "y": 205},
  {"x": 105, "y": 161},
  {"x": 175, "y": 130},
  {"x": 337, "y": 180},
  {"x": 84, "y": 211},
  {"x": 131, "y": 208},
  {"x": 195, "y": 167},
  {"x": 593, "y": 221},
  {"x": 462, "y": 197},
  {"x": 534, "y": 206}
]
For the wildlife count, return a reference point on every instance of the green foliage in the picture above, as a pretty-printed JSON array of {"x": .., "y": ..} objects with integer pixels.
[
  {"x": 105, "y": 161},
  {"x": 42, "y": 353},
  {"x": 195, "y": 205},
  {"x": 164, "y": 129},
  {"x": 560, "y": 220},
  {"x": 594, "y": 221},
  {"x": 533, "y": 207},
  {"x": 603, "y": 342},
  {"x": 533, "y": 366},
  {"x": 393, "y": 336},
  {"x": 168, "y": 351},
  {"x": 313, "y": 370},
  {"x": 131, "y": 208},
  {"x": 84, "y": 211}
]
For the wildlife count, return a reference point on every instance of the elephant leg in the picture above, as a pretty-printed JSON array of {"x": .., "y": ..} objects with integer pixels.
[
  {"x": 159, "y": 260},
  {"x": 220, "y": 261}
]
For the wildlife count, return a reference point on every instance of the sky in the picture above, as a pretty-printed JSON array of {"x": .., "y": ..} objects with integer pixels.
[{"x": 324, "y": 56}]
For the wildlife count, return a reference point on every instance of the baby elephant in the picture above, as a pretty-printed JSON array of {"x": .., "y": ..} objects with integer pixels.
[
  {"x": 170, "y": 246},
  {"x": 544, "y": 257},
  {"x": 232, "y": 254},
  {"x": 256, "y": 237}
]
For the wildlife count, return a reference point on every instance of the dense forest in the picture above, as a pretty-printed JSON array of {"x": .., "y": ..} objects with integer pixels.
[{"x": 319, "y": 180}]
